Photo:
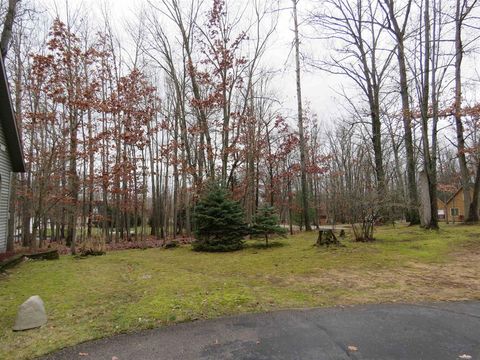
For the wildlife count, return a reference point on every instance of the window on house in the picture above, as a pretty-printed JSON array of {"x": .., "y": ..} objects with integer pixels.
[
  {"x": 454, "y": 211},
  {"x": 441, "y": 214}
]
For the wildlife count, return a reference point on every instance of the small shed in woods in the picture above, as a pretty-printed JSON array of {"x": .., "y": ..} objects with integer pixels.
[{"x": 11, "y": 154}]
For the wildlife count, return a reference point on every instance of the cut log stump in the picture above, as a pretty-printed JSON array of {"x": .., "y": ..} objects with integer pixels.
[
  {"x": 44, "y": 255},
  {"x": 18, "y": 258},
  {"x": 326, "y": 237}
]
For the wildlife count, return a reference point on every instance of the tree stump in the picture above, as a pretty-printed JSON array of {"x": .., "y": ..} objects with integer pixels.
[{"x": 327, "y": 238}]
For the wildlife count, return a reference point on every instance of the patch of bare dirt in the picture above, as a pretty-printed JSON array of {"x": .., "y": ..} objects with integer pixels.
[{"x": 456, "y": 279}]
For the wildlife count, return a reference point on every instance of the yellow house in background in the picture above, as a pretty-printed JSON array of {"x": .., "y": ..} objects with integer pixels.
[{"x": 453, "y": 209}]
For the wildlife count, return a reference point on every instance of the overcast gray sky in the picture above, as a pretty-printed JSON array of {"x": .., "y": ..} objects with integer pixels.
[{"x": 319, "y": 88}]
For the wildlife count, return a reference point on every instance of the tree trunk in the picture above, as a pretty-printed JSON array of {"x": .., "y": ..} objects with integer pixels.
[
  {"x": 8, "y": 26},
  {"x": 473, "y": 213},
  {"x": 465, "y": 175},
  {"x": 73, "y": 186},
  {"x": 429, "y": 155},
  {"x": 303, "y": 165},
  {"x": 412, "y": 214},
  {"x": 12, "y": 212}
]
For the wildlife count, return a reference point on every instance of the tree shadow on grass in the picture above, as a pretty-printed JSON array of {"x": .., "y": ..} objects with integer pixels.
[{"x": 260, "y": 245}]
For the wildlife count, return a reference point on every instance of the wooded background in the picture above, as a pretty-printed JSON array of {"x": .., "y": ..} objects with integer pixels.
[{"x": 119, "y": 142}]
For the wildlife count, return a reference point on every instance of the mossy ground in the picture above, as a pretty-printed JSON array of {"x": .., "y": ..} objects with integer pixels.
[{"x": 137, "y": 289}]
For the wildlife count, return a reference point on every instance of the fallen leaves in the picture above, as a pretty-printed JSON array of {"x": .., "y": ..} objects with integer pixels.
[{"x": 149, "y": 242}]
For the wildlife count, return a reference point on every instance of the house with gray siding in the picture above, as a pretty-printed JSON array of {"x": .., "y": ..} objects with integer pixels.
[{"x": 11, "y": 154}]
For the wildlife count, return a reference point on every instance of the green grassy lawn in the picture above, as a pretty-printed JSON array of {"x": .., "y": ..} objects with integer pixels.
[{"x": 137, "y": 289}]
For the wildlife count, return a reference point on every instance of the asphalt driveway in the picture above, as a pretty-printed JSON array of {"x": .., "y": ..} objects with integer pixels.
[{"x": 409, "y": 332}]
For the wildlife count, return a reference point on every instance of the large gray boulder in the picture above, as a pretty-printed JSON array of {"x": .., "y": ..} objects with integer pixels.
[{"x": 31, "y": 314}]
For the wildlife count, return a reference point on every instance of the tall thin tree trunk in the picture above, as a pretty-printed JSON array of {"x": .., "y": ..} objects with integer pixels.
[
  {"x": 412, "y": 214},
  {"x": 175, "y": 179},
  {"x": 470, "y": 205},
  {"x": 427, "y": 152},
  {"x": 73, "y": 184},
  {"x": 303, "y": 165}
]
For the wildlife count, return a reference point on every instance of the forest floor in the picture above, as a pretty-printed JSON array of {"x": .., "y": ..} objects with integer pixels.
[{"x": 136, "y": 289}]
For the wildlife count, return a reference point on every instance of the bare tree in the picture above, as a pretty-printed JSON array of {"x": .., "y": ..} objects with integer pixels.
[
  {"x": 427, "y": 87},
  {"x": 398, "y": 29},
  {"x": 358, "y": 33},
  {"x": 462, "y": 10},
  {"x": 303, "y": 170}
]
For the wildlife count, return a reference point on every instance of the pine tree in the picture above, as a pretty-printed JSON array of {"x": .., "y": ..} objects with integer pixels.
[
  {"x": 219, "y": 222},
  {"x": 266, "y": 223}
]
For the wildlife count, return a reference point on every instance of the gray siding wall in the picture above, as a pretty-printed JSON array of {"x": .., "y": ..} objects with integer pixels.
[{"x": 5, "y": 173}]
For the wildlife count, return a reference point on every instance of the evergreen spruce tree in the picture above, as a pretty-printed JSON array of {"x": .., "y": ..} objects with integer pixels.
[
  {"x": 219, "y": 222},
  {"x": 266, "y": 223}
]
